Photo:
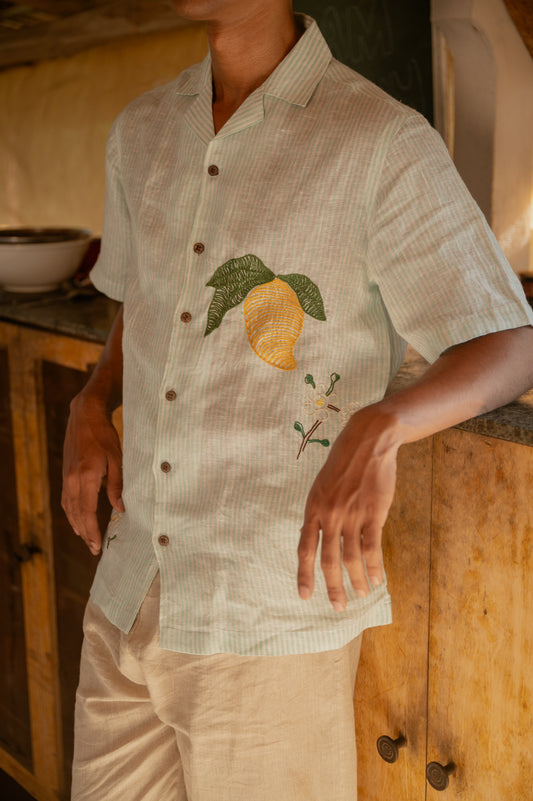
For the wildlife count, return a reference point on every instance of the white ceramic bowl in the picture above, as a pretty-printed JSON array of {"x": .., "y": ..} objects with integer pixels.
[{"x": 39, "y": 259}]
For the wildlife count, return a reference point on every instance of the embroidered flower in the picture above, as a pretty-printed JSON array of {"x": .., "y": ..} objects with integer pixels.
[{"x": 318, "y": 401}]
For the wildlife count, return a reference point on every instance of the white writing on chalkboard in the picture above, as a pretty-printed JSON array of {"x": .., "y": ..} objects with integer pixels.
[
  {"x": 365, "y": 36},
  {"x": 387, "y": 41}
]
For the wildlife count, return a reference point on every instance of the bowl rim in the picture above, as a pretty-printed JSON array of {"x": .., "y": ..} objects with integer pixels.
[{"x": 42, "y": 235}]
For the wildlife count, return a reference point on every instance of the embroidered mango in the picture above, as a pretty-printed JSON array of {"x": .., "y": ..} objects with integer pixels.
[
  {"x": 274, "y": 320},
  {"x": 274, "y": 306}
]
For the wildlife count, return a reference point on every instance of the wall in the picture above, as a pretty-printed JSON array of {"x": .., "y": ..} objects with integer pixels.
[
  {"x": 484, "y": 109},
  {"x": 56, "y": 116}
]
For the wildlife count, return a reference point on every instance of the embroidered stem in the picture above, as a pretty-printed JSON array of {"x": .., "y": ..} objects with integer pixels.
[
  {"x": 334, "y": 377},
  {"x": 308, "y": 437}
]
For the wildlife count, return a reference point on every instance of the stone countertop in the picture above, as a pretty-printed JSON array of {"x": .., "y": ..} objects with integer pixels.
[
  {"x": 83, "y": 313},
  {"x": 86, "y": 314},
  {"x": 513, "y": 422}
]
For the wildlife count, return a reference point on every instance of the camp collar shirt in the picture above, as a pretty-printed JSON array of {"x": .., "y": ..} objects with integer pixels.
[{"x": 271, "y": 275}]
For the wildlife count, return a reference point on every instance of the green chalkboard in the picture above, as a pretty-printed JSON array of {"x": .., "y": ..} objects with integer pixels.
[{"x": 387, "y": 41}]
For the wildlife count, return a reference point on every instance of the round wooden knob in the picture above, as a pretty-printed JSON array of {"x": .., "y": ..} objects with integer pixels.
[
  {"x": 437, "y": 774},
  {"x": 388, "y": 748}
]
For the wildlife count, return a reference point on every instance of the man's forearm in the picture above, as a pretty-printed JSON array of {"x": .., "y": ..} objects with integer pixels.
[
  {"x": 105, "y": 384},
  {"x": 467, "y": 380},
  {"x": 351, "y": 496}
]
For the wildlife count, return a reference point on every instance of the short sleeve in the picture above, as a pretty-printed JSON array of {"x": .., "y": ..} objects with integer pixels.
[
  {"x": 110, "y": 272},
  {"x": 441, "y": 273}
]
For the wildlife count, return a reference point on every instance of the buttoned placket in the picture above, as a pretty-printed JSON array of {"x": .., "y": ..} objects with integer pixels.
[
  {"x": 186, "y": 336},
  {"x": 185, "y": 340}
]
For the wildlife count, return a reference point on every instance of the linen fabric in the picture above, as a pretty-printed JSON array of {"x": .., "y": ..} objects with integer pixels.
[
  {"x": 156, "y": 725},
  {"x": 271, "y": 276}
]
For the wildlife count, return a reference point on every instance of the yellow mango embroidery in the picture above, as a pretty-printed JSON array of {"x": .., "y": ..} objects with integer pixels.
[
  {"x": 274, "y": 320},
  {"x": 274, "y": 307}
]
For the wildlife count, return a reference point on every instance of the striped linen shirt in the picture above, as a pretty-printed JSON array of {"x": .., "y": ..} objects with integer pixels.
[{"x": 271, "y": 275}]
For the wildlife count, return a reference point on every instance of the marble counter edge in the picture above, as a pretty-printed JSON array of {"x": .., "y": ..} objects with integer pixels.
[
  {"x": 82, "y": 314},
  {"x": 512, "y": 422}
]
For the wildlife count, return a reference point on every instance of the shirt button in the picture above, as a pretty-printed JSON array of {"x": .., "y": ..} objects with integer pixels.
[
  {"x": 185, "y": 317},
  {"x": 163, "y": 539},
  {"x": 170, "y": 395},
  {"x": 212, "y": 169},
  {"x": 165, "y": 467},
  {"x": 199, "y": 247}
]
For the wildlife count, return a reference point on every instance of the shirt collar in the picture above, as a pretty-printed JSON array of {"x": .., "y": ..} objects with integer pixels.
[{"x": 294, "y": 79}]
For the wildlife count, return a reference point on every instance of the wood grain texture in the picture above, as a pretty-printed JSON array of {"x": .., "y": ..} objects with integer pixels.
[
  {"x": 27, "y": 350},
  {"x": 76, "y": 25},
  {"x": 25, "y": 778},
  {"x": 37, "y": 574},
  {"x": 14, "y": 712},
  {"x": 74, "y": 567},
  {"x": 391, "y": 690},
  {"x": 481, "y": 645},
  {"x": 521, "y": 12}
]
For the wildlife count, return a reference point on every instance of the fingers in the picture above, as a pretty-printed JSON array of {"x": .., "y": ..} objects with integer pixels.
[
  {"x": 79, "y": 501},
  {"x": 331, "y": 564},
  {"x": 114, "y": 484},
  {"x": 307, "y": 549},
  {"x": 91, "y": 455},
  {"x": 359, "y": 549},
  {"x": 371, "y": 549},
  {"x": 353, "y": 559},
  {"x": 348, "y": 504}
]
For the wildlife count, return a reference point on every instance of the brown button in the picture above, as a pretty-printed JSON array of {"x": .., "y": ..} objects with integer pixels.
[
  {"x": 163, "y": 539},
  {"x": 186, "y": 317},
  {"x": 165, "y": 467},
  {"x": 170, "y": 395},
  {"x": 199, "y": 247},
  {"x": 212, "y": 169}
]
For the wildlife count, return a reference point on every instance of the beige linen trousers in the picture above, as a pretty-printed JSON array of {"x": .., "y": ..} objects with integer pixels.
[{"x": 156, "y": 725}]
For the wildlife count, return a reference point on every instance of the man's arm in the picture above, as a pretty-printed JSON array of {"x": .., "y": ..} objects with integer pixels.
[
  {"x": 92, "y": 448},
  {"x": 351, "y": 496}
]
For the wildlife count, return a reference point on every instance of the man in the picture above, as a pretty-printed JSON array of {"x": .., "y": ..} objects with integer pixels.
[{"x": 277, "y": 228}]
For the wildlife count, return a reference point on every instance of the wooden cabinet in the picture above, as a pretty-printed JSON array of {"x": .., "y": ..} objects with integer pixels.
[
  {"x": 453, "y": 674},
  {"x": 45, "y": 571}
]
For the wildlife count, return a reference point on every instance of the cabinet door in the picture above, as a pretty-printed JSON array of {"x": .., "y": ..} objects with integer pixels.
[
  {"x": 15, "y": 735},
  {"x": 50, "y": 578},
  {"x": 481, "y": 645},
  {"x": 391, "y": 689},
  {"x": 74, "y": 567}
]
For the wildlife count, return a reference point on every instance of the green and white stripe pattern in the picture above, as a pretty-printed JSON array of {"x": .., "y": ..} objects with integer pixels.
[{"x": 320, "y": 175}]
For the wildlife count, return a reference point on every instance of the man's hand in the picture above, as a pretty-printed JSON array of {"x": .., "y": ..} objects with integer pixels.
[
  {"x": 92, "y": 452},
  {"x": 92, "y": 449},
  {"x": 351, "y": 496},
  {"x": 349, "y": 502}
]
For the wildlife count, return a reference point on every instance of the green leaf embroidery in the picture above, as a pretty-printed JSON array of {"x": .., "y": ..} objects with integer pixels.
[
  {"x": 232, "y": 282},
  {"x": 299, "y": 427},
  {"x": 334, "y": 377},
  {"x": 307, "y": 293}
]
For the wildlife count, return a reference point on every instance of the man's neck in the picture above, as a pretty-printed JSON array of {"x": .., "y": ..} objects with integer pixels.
[{"x": 244, "y": 52}]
